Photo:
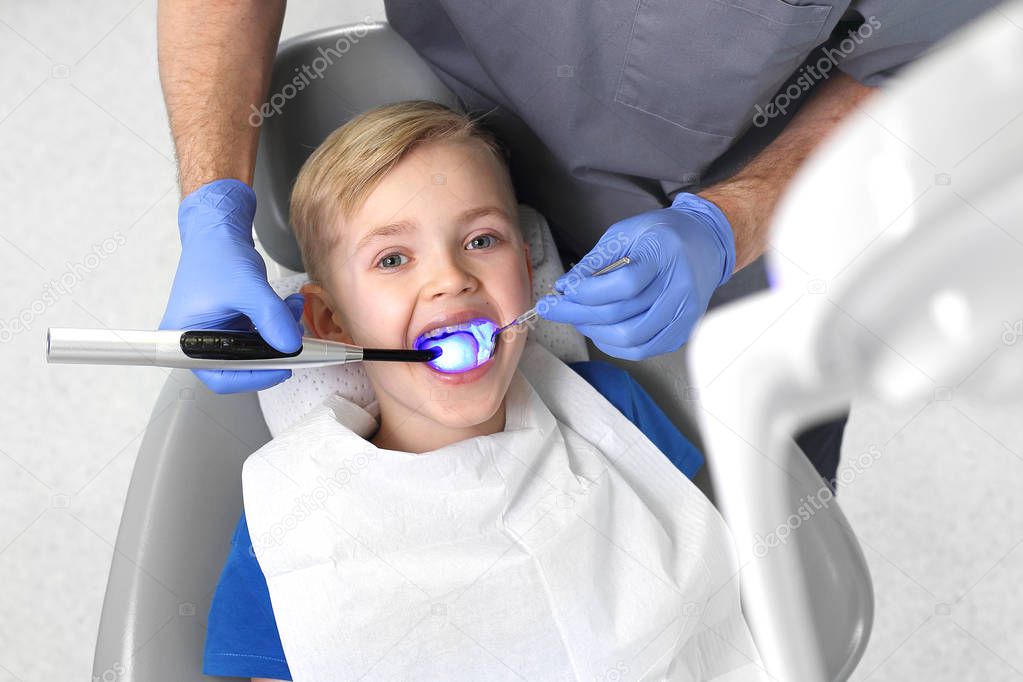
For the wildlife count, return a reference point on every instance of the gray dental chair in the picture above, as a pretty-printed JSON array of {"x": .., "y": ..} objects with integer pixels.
[{"x": 185, "y": 494}]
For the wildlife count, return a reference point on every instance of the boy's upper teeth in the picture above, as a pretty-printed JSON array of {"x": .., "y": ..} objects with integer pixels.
[{"x": 446, "y": 330}]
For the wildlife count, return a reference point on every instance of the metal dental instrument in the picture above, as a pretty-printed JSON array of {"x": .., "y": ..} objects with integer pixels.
[
  {"x": 531, "y": 314},
  {"x": 208, "y": 349}
]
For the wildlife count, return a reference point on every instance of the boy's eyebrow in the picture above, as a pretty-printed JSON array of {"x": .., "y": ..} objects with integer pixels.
[
  {"x": 391, "y": 229},
  {"x": 388, "y": 230}
]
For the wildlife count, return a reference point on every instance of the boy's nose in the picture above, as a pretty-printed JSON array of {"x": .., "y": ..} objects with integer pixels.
[{"x": 449, "y": 277}]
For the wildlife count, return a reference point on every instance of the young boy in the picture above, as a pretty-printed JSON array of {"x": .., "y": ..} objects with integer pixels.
[{"x": 407, "y": 222}]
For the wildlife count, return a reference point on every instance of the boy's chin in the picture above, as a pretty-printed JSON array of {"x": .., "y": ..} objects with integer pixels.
[{"x": 464, "y": 414}]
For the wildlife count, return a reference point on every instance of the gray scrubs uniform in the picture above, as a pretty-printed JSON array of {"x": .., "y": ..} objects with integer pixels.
[{"x": 613, "y": 107}]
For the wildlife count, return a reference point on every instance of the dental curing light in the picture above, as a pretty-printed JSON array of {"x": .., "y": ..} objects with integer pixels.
[
  {"x": 208, "y": 349},
  {"x": 462, "y": 347}
]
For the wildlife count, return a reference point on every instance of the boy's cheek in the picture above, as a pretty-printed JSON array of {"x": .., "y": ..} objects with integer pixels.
[{"x": 518, "y": 286}]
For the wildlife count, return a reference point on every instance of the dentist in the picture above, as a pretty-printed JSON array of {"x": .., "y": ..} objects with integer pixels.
[{"x": 666, "y": 130}]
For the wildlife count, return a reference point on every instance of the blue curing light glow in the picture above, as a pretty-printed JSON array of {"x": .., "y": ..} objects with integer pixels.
[{"x": 463, "y": 346}]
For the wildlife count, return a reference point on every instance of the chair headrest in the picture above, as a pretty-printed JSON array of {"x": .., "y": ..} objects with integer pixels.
[{"x": 290, "y": 400}]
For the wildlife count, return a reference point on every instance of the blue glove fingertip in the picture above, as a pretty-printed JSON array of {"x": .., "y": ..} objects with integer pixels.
[
  {"x": 545, "y": 305},
  {"x": 278, "y": 327},
  {"x": 296, "y": 304}
]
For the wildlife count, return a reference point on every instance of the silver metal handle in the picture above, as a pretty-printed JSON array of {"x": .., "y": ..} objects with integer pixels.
[
  {"x": 112, "y": 346},
  {"x": 164, "y": 348}
]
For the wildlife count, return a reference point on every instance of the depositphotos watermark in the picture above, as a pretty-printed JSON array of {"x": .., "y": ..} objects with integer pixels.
[
  {"x": 808, "y": 75},
  {"x": 55, "y": 288},
  {"x": 111, "y": 674},
  {"x": 309, "y": 503},
  {"x": 1012, "y": 332},
  {"x": 307, "y": 73},
  {"x": 813, "y": 503}
]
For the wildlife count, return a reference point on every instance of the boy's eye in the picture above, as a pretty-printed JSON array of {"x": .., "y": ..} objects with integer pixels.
[
  {"x": 484, "y": 236},
  {"x": 390, "y": 256}
]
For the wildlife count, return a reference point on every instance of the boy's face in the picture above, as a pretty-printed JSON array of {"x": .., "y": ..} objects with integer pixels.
[{"x": 450, "y": 250}]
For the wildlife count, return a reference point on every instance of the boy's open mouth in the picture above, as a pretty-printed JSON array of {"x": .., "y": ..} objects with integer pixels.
[{"x": 464, "y": 346}]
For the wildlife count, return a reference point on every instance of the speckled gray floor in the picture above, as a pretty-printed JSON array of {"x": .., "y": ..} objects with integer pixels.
[{"x": 86, "y": 157}]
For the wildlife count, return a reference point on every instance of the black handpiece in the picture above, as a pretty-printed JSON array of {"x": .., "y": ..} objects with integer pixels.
[{"x": 223, "y": 344}]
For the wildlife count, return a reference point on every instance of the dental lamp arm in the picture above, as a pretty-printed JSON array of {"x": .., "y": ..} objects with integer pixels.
[{"x": 748, "y": 198}]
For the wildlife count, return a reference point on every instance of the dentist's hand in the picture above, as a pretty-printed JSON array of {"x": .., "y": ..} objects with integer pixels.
[
  {"x": 221, "y": 282},
  {"x": 679, "y": 256}
]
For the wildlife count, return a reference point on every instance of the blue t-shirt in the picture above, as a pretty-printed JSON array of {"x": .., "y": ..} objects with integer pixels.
[{"x": 241, "y": 635}]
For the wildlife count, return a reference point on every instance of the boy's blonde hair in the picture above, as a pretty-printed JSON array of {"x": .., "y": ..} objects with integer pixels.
[{"x": 336, "y": 179}]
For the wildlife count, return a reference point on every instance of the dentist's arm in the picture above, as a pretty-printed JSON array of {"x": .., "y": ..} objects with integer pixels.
[
  {"x": 749, "y": 197},
  {"x": 215, "y": 60},
  {"x": 215, "y": 63}
]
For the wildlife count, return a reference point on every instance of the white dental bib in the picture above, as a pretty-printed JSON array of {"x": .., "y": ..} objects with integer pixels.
[{"x": 565, "y": 547}]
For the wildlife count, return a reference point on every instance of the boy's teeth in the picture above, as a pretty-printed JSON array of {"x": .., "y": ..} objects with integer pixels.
[{"x": 445, "y": 330}]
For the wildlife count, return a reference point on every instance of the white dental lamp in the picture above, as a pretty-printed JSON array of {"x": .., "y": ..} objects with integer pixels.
[{"x": 896, "y": 261}]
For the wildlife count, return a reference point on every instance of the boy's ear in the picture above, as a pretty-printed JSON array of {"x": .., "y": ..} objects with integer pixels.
[{"x": 319, "y": 316}]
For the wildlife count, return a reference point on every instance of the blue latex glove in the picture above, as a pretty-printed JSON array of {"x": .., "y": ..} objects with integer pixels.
[
  {"x": 680, "y": 255},
  {"x": 221, "y": 282}
]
